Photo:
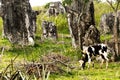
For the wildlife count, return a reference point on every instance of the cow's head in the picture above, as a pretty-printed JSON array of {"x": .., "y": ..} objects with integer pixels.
[{"x": 104, "y": 48}]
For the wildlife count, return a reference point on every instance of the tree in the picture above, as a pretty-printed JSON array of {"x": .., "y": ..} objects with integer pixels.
[{"x": 115, "y": 28}]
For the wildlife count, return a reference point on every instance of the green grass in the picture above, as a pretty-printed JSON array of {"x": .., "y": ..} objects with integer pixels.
[
  {"x": 105, "y": 37},
  {"x": 100, "y": 9},
  {"x": 112, "y": 73},
  {"x": 63, "y": 46},
  {"x": 60, "y": 21}
]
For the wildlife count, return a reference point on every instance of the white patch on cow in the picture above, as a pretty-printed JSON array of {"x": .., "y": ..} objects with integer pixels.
[
  {"x": 100, "y": 52},
  {"x": 93, "y": 49},
  {"x": 85, "y": 49},
  {"x": 105, "y": 54},
  {"x": 103, "y": 45},
  {"x": 98, "y": 58}
]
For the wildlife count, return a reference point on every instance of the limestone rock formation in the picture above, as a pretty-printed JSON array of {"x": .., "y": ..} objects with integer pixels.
[
  {"x": 19, "y": 21},
  {"x": 92, "y": 36},
  {"x": 107, "y": 22},
  {"x": 55, "y": 8},
  {"x": 49, "y": 30},
  {"x": 80, "y": 18}
]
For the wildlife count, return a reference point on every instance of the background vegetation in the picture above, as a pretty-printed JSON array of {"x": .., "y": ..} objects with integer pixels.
[{"x": 62, "y": 46}]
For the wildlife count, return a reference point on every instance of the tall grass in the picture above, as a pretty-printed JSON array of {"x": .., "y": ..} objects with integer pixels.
[
  {"x": 1, "y": 26},
  {"x": 100, "y": 9},
  {"x": 60, "y": 21}
]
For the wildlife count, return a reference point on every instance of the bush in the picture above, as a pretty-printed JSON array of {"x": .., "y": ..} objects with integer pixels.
[
  {"x": 60, "y": 21},
  {"x": 100, "y": 9}
]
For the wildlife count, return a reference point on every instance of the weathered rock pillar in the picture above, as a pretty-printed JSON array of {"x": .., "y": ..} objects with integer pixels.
[
  {"x": 19, "y": 21},
  {"x": 80, "y": 18}
]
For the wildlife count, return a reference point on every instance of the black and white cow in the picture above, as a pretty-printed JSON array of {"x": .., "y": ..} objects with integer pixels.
[{"x": 94, "y": 51}]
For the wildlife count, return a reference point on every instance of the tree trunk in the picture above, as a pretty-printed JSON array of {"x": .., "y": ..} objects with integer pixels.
[
  {"x": 116, "y": 35},
  {"x": 19, "y": 21}
]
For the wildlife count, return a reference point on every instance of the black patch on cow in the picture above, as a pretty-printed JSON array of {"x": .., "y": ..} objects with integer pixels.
[
  {"x": 83, "y": 65},
  {"x": 85, "y": 58},
  {"x": 90, "y": 51},
  {"x": 97, "y": 48},
  {"x": 104, "y": 49},
  {"x": 103, "y": 56}
]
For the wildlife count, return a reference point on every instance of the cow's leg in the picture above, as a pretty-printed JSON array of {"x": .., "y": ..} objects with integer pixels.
[
  {"x": 102, "y": 61},
  {"x": 93, "y": 57},
  {"x": 106, "y": 64},
  {"x": 106, "y": 59},
  {"x": 89, "y": 62},
  {"x": 83, "y": 65},
  {"x": 93, "y": 64}
]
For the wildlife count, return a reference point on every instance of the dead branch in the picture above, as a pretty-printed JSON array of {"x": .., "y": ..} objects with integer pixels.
[
  {"x": 4, "y": 72},
  {"x": 110, "y": 3},
  {"x": 64, "y": 64},
  {"x": 17, "y": 75},
  {"x": 117, "y": 5}
]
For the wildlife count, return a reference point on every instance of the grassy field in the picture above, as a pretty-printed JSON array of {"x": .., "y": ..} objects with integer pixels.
[
  {"x": 112, "y": 73},
  {"x": 62, "y": 46}
]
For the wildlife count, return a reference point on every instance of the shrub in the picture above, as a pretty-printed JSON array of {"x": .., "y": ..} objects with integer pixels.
[{"x": 60, "y": 21}]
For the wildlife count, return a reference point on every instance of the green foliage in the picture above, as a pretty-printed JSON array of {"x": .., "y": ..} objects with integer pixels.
[
  {"x": 100, "y": 9},
  {"x": 86, "y": 1},
  {"x": 47, "y": 5},
  {"x": 68, "y": 2},
  {"x": 91, "y": 74},
  {"x": 60, "y": 21},
  {"x": 105, "y": 37},
  {"x": 62, "y": 24}
]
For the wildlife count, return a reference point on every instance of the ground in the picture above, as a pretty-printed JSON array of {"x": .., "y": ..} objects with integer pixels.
[{"x": 63, "y": 47}]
